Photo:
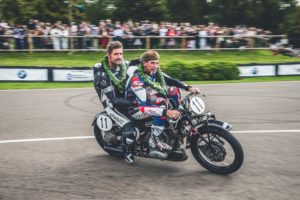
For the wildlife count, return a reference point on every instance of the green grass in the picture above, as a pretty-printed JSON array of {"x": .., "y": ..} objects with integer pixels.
[
  {"x": 249, "y": 80},
  {"x": 88, "y": 59},
  {"x": 48, "y": 85},
  {"x": 42, "y": 85}
]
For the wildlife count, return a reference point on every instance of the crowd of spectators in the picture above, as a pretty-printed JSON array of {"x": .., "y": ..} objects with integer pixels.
[{"x": 89, "y": 36}]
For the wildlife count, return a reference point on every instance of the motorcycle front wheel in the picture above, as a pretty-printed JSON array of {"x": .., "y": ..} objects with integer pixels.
[{"x": 217, "y": 150}]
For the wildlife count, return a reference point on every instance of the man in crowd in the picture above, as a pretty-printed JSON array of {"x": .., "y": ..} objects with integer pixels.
[{"x": 147, "y": 80}]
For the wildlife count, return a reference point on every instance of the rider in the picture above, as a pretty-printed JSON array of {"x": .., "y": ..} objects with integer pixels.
[
  {"x": 109, "y": 82},
  {"x": 110, "y": 74},
  {"x": 147, "y": 80}
]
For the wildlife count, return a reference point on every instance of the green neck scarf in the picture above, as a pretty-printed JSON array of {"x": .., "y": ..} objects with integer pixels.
[
  {"x": 159, "y": 85},
  {"x": 119, "y": 83}
]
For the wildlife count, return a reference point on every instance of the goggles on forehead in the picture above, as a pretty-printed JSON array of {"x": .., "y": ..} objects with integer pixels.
[{"x": 152, "y": 62}]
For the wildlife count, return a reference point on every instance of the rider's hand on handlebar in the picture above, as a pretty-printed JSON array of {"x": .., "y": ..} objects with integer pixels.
[
  {"x": 194, "y": 90},
  {"x": 174, "y": 114}
]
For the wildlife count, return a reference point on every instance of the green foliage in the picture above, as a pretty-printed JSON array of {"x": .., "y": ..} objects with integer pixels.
[
  {"x": 193, "y": 11},
  {"x": 138, "y": 10},
  {"x": 266, "y": 14},
  {"x": 263, "y": 13},
  {"x": 291, "y": 26},
  {"x": 101, "y": 9},
  {"x": 223, "y": 71},
  {"x": 20, "y": 11},
  {"x": 200, "y": 71}
]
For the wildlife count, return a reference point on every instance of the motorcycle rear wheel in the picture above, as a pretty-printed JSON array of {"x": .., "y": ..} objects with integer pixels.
[
  {"x": 220, "y": 153},
  {"x": 99, "y": 137}
]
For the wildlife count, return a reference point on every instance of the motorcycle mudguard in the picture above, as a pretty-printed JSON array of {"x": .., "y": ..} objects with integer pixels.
[
  {"x": 221, "y": 124},
  {"x": 96, "y": 117}
]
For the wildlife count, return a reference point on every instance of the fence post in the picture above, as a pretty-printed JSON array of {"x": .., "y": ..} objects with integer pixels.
[
  {"x": 251, "y": 42},
  {"x": 148, "y": 44},
  {"x": 183, "y": 43},
  {"x": 71, "y": 43},
  {"x": 30, "y": 44}
]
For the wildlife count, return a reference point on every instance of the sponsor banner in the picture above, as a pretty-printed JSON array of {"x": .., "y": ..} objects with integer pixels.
[
  {"x": 257, "y": 70},
  {"x": 23, "y": 74},
  {"x": 72, "y": 75},
  {"x": 289, "y": 69}
]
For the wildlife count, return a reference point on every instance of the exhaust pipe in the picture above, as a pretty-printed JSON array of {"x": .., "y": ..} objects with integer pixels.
[{"x": 113, "y": 149}]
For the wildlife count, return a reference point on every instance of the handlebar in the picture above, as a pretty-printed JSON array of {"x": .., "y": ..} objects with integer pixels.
[{"x": 191, "y": 94}]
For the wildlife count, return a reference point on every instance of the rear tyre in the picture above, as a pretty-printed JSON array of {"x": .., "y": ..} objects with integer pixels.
[
  {"x": 99, "y": 137},
  {"x": 217, "y": 150}
]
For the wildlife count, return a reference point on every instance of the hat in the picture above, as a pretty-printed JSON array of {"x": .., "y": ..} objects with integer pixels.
[{"x": 150, "y": 55}]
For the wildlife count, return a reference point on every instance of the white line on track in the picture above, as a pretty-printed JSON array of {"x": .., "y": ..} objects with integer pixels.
[
  {"x": 268, "y": 131},
  {"x": 91, "y": 137},
  {"x": 45, "y": 139}
]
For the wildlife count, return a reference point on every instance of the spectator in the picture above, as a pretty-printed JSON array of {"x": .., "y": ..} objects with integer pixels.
[
  {"x": 163, "y": 33},
  {"x": 202, "y": 37},
  {"x": 37, "y": 39},
  {"x": 3, "y": 41},
  {"x": 171, "y": 33},
  {"x": 65, "y": 36},
  {"x": 118, "y": 33},
  {"x": 55, "y": 34},
  {"x": 104, "y": 33},
  {"x": 31, "y": 25},
  {"x": 251, "y": 33},
  {"x": 19, "y": 35}
]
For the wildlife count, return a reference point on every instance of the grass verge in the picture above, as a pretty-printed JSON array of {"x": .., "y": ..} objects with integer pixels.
[
  {"x": 49, "y": 85},
  {"x": 88, "y": 59}
]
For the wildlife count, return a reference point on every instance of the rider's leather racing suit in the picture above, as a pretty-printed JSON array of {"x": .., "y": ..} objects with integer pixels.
[
  {"x": 151, "y": 103},
  {"x": 104, "y": 87}
]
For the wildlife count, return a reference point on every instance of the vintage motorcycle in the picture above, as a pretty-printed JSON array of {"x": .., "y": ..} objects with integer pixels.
[{"x": 210, "y": 141}]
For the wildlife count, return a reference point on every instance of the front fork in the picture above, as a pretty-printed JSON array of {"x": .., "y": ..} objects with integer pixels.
[{"x": 206, "y": 120}]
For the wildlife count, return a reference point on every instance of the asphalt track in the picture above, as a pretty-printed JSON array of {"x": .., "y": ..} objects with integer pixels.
[{"x": 47, "y": 149}]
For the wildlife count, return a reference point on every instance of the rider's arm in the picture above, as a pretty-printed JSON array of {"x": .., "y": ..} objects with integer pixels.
[
  {"x": 174, "y": 82},
  {"x": 103, "y": 85}
]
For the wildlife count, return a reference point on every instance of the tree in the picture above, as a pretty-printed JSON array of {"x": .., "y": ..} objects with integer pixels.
[
  {"x": 20, "y": 11},
  {"x": 291, "y": 26},
  {"x": 265, "y": 14},
  {"x": 139, "y": 10},
  {"x": 194, "y": 11},
  {"x": 101, "y": 9}
]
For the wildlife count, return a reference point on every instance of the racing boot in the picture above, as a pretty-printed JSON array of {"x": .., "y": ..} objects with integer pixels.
[
  {"x": 128, "y": 156},
  {"x": 155, "y": 142},
  {"x": 128, "y": 151},
  {"x": 129, "y": 143}
]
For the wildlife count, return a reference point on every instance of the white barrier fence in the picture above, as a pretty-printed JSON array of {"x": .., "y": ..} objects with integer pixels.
[
  {"x": 45, "y": 43},
  {"x": 84, "y": 74}
]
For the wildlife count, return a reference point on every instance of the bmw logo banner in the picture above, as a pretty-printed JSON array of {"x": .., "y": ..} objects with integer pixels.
[{"x": 22, "y": 74}]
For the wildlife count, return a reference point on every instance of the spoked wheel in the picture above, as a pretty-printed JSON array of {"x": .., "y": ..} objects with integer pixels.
[
  {"x": 100, "y": 135},
  {"x": 217, "y": 150}
]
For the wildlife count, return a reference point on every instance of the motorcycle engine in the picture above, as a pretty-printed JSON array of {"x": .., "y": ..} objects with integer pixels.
[
  {"x": 169, "y": 137},
  {"x": 110, "y": 138}
]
